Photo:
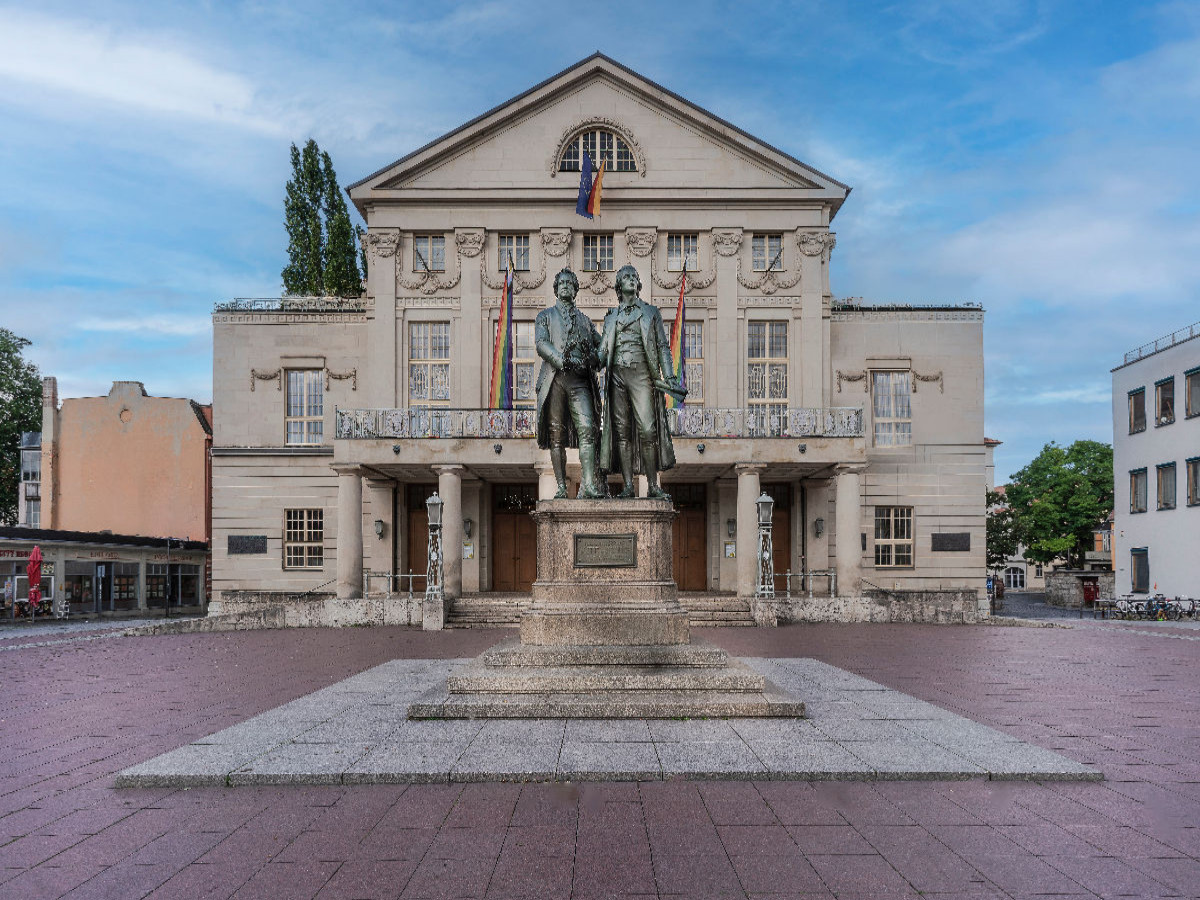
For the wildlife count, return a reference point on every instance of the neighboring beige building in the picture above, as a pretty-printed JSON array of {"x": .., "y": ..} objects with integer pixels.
[
  {"x": 335, "y": 419},
  {"x": 118, "y": 499}
]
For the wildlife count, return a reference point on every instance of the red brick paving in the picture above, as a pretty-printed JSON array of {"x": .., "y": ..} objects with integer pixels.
[{"x": 75, "y": 713}]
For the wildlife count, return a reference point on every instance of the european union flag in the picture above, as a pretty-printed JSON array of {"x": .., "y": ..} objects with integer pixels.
[{"x": 585, "y": 187}]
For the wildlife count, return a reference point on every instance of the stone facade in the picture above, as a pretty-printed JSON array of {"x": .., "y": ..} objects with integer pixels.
[
  {"x": 1065, "y": 587},
  {"x": 785, "y": 381}
]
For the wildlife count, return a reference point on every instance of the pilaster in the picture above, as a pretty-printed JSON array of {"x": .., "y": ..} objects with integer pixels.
[{"x": 727, "y": 243}]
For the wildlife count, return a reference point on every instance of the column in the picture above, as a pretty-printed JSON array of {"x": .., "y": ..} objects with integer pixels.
[
  {"x": 848, "y": 552},
  {"x": 748, "y": 490},
  {"x": 547, "y": 485},
  {"x": 450, "y": 490},
  {"x": 349, "y": 533}
]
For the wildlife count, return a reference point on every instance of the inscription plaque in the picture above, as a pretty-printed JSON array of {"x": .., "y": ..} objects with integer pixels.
[
  {"x": 247, "y": 544},
  {"x": 605, "y": 551},
  {"x": 951, "y": 541}
]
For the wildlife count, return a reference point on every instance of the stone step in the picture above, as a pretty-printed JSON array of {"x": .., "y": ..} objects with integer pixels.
[
  {"x": 478, "y": 679},
  {"x": 695, "y": 653},
  {"x": 438, "y": 703}
]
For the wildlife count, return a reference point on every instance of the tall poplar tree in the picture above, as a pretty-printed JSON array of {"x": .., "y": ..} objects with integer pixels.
[{"x": 322, "y": 257}]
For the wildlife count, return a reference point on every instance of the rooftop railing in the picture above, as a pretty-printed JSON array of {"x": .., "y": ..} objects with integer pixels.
[
  {"x": 1175, "y": 337},
  {"x": 690, "y": 422},
  {"x": 291, "y": 304}
]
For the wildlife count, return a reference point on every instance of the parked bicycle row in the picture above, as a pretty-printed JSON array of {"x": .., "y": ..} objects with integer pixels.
[{"x": 1159, "y": 608}]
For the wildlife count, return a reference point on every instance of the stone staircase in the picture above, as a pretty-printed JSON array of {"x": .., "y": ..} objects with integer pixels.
[{"x": 503, "y": 610}]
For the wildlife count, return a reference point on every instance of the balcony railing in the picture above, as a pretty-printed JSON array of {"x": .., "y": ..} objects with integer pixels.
[
  {"x": 690, "y": 422},
  {"x": 1175, "y": 337},
  {"x": 292, "y": 305}
]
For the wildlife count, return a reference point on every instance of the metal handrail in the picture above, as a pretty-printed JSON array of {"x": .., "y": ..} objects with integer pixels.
[
  {"x": 1170, "y": 340},
  {"x": 881, "y": 590},
  {"x": 806, "y": 583},
  {"x": 393, "y": 584},
  {"x": 314, "y": 590}
]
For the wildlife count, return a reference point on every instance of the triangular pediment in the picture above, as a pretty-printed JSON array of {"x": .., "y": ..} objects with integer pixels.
[{"x": 679, "y": 147}]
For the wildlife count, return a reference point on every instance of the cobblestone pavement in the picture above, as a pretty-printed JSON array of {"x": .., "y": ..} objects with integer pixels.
[{"x": 1122, "y": 699}]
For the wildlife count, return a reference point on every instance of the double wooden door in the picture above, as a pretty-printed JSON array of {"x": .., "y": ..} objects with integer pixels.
[
  {"x": 689, "y": 536},
  {"x": 514, "y": 537}
]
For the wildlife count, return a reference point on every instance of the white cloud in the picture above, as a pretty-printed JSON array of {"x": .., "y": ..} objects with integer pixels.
[
  {"x": 1095, "y": 393},
  {"x": 159, "y": 324},
  {"x": 140, "y": 72}
]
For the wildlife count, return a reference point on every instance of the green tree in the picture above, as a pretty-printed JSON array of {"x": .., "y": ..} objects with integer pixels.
[
  {"x": 20, "y": 410},
  {"x": 1060, "y": 498},
  {"x": 322, "y": 257},
  {"x": 1002, "y": 541}
]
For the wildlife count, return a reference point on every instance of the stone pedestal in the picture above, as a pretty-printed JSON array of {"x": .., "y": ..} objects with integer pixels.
[
  {"x": 605, "y": 636},
  {"x": 604, "y": 576}
]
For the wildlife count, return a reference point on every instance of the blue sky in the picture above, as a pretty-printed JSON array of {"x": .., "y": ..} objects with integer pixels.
[{"x": 1038, "y": 157}]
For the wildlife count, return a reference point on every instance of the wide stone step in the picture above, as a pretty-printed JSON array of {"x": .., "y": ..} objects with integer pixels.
[
  {"x": 438, "y": 703},
  {"x": 480, "y": 679},
  {"x": 695, "y": 653}
]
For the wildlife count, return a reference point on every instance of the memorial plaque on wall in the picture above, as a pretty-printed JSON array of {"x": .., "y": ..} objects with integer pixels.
[
  {"x": 605, "y": 551},
  {"x": 244, "y": 544},
  {"x": 952, "y": 541}
]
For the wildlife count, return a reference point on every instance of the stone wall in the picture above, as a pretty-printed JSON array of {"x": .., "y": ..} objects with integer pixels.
[
  {"x": 279, "y": 609},
  {"x": 1064, "y": 587},
  {"x": 954, "y": 607}
]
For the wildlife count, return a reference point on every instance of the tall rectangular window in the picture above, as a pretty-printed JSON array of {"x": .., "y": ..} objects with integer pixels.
[
  {"x": 1192, "y": 473},
  {"x": 1139, "y": 570},
  {"x": 304, "y": 532},
  {"x": 767, "y": 373},
  {"x": 767, "y": 250},
  {"x": 1137, "y": 410},
  {"x": 429, "y": 253},
  {"x": 428, "y": 363},
  {"x": 1137, "y": 491},
  {"x": 1191, "y": 390},
  {"x": 305, "y": 406},
  {"x": 33, "y": 513},
  {"x": 597, "y": 253},
  {"x": 524, "y": 363},
  {"x": 516, "y": 246},
  {"x": 682, "y": 250},
  {"x": 893, "y": 537},
  {"x": 693, "y": 361},
  {"x": 1164, "y": 401},
  {"x": 1165, "y": 476},
  {"x": 891, "y": 406}
]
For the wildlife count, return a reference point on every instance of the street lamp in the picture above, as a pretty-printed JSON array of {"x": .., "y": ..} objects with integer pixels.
[
  {"x": 766, "y": 547},
  {"x": 433, "y": 574}
]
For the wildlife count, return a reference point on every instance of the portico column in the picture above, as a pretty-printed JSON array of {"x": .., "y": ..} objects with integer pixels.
[
  {"x": 848, "y": 517},
  {"x": 349, "y": 533},
  {"x": 747, "y": 526},
  {"x": 547, "y": 484},
  {"x": 450, "y": 490}
]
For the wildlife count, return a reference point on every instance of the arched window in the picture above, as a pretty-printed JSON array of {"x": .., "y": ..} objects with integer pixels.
[
  {"x": 600, "y": 144},
  {"x": 1014, "y": 578}
]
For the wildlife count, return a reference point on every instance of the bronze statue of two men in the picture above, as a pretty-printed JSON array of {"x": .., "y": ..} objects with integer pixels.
[{"x": 628, "y": 432}]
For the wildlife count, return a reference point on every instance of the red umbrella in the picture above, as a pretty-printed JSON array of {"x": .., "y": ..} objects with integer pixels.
[{"x": 34, "y": 570}]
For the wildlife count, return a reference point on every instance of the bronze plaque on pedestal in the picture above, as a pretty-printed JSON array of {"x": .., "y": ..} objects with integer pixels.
[{"x": 605, "y": 551}]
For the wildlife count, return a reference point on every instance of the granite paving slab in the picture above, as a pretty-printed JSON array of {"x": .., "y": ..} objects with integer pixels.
[{"x": 357, "y": 731}]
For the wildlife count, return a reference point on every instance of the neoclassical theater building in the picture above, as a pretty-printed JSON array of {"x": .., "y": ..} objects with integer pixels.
[{"x": 336, "y": 419}]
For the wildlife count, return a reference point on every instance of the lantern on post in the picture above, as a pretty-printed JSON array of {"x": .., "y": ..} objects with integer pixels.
[
  {"x": 765, "y": 588},
  {"x": 433, "y": 575}
]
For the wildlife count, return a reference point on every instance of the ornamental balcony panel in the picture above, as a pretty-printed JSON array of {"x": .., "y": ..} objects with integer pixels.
[
  {"x": 689, "y": 422},
  {"x": 292, "y": 305}
]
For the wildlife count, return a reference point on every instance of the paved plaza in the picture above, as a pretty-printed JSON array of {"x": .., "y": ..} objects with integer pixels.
[{"x": 79, "y": 708}]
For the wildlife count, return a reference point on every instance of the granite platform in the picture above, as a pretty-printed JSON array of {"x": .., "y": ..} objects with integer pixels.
[{"x": 357, "y": 732}]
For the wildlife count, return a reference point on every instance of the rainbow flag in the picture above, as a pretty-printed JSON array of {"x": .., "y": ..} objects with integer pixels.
[
  {"x": 677, "y": 343},
  {"x": 501, "y": 394},
  {"x": 588, "y": 202}
]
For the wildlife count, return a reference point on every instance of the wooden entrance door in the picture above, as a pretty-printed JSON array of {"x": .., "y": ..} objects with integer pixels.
[
  {"x": 689, "y": 536},
  {"x": 781, "y": 532},
  {"x": 417, "y": 550},
  {"x": 514, "y": 537}
]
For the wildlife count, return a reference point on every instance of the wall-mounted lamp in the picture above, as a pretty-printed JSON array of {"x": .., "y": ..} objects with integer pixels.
[
  {"x": 700, "y": 448},
  {"x": 467, "y": 525},
  {"x": 379, "y": 528},
  {"x": 499, "y": 448},
  {"x": 819, "y": 526},
  {"x": 731, "y": 527},
  {"x": 803, "y": 448}
]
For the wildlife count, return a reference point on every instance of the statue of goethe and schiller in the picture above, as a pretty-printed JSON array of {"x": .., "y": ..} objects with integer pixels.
[{"x": 626, "y": 430}]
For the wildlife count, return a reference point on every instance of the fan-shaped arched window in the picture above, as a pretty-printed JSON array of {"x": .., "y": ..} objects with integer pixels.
[{"x": 600, "y": 144}]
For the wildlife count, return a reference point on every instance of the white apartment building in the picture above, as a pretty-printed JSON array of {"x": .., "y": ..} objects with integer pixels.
[
  {"x": 336, "y": 419},
  {"x": 1156, "y": 466}
]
